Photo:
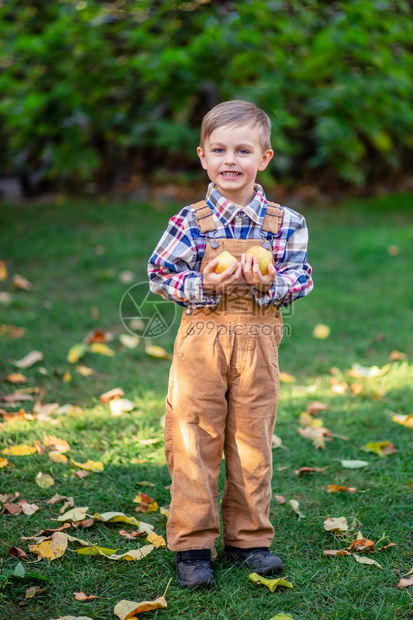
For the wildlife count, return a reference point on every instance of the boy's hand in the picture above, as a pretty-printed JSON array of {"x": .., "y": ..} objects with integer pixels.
[
  {"x": 252, "y": 273},
  {"x": 217, "y": 282}
]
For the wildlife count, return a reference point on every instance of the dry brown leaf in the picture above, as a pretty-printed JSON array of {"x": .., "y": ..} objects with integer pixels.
[
  {"x": 81, "y": 596},
  {"x": 16, "y": 377},
  {"x": 336, "y": 524},
  {"x": 56, "y": 444},
  {"x": 9, "y": 497},
  {"x": 29, "y": 360},
  {"x": 11, "y": 330},
  {"x": 309, "y": 470},
  {"x": 30, "y": 592},
  {"x": 29, "y": 509},
  {"x": 58, "y": 498},
  {"x": 108, "y": 396},
  {"x": 130, "y": 609},
  {"x": 20, "y": 282},
  {"x": 146, "y": 503},
  {"x": 405, "y": 583},
  {"x": 131, "y": 535},
  {"x": 280, "y": 499},
  {"x": 316, "y": 407},
  {"x": 336, "y": 488},
  {"x": 4, "y": 274},
  {"x": 19, "y": 416},
  {"x": 97, "y": 335},
  {"x": 361, "y": 544},
  {"x": 81, "y": 473},
  {"x": 13, "y": 509},
  {"x": 334, "y": 552},
  {"x": 396, "y": 356},
  {"x": 16, "y": 552}
]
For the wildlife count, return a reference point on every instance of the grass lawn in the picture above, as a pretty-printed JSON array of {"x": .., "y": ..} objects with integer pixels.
[{"x": 73, "y": 255}]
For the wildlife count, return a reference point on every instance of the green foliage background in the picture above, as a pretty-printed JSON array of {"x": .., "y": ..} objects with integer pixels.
[{"x": 91, "y": 88}]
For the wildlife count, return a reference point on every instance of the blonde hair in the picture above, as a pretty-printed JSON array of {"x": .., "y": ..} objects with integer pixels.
[{"x": 237, "y": 113}]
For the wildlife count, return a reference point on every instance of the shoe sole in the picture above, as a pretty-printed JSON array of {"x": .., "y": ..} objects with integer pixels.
[{"x": 234, "y": 560}]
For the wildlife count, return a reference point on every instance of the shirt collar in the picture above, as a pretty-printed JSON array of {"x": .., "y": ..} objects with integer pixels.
[{"x": 225, "y": 210}]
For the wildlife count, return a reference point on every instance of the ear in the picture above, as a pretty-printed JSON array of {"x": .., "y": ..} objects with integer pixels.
[
  {"x": 202, "y": 157},
  {"x": 266, "y": 158}
]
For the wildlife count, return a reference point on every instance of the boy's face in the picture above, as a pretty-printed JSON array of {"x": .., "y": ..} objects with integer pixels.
[{"x": 232, "y": 156}]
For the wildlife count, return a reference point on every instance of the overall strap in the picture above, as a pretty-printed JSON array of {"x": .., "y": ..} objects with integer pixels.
[
  {"x": 273, "y": 218},
  {"x": 203, "y": 217}
]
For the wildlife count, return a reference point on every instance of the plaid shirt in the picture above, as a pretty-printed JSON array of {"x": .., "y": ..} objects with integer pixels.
[{"x": 174, "y": 265}]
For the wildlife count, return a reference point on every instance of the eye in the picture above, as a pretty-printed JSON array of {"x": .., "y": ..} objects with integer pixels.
[
  {"x": 244, "y": 151},
  {"x": 217, "y": 150}
]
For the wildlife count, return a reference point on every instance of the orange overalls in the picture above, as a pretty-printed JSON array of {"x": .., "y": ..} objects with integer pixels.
[{"x": 222, "y": 398}]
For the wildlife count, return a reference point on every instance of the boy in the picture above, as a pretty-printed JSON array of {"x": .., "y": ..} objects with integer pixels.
[{"x": 224, "y": 378}]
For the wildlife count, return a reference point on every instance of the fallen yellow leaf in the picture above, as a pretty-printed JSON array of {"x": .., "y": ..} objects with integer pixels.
[
  {"x": 85, "y": 371},
  {"x": 44, "y": 480},
  {"x": 159, "y": 352},
  {"x": 76, "y": 352},
  {"x": 101, "y": 348},
  {"x": 21, "y": 450},
  {"x": 115, "y": 517},
  {"x": 130, "y": 609},
  {"x": 57, "y": 457},
  {"x": 404, "y": 420},
  {"x": 287, "y": 378},
  {"x": 4, "y": 463},
  {"x": 158, "y": 541},
  {"x": 382, "y": 448},
  {"x": 272, "y": 584},
  {"x": 75, "y": 514},
  {"x": 321, "y": 331},
  {"x": 52, "y": 548},
  {"x": 93, "y": 466}
]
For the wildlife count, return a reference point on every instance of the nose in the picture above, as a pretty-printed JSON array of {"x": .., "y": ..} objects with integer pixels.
[{"x": 230, "y": 158}]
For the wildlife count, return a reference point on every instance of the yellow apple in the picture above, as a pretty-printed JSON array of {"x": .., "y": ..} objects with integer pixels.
[
  {"x": 225, "y": 259},
  {"x": 263, "y": 255}
]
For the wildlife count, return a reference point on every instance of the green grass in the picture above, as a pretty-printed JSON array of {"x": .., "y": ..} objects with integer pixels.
[{"x": 361, "y": 292}]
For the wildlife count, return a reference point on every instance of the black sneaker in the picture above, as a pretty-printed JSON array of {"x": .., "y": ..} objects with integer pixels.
[
  {"x": 193, "y": 568},
  {"x": 258, "y": 559}
]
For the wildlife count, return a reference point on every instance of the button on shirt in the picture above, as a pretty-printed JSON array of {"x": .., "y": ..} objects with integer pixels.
[{"x": 174, "y": 265}]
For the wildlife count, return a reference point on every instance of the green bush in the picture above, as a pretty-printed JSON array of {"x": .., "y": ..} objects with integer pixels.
[{"x": 92, "y": 89}]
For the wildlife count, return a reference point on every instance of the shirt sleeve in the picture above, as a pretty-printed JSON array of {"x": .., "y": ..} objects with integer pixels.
[
  {"x": 173, "y": 267},
  {"x": 293, "y": 279}
]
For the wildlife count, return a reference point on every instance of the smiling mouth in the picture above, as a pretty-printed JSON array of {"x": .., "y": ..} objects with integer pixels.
[{"x": 230, "y": 175}]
